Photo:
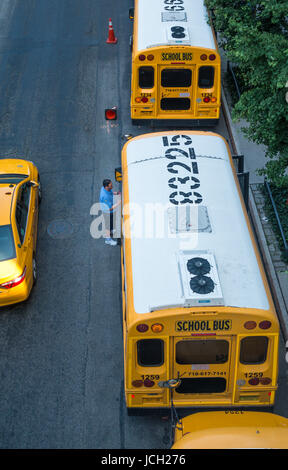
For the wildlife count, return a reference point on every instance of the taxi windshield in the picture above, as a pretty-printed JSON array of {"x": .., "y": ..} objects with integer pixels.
[{"x": 7, "y": 248}]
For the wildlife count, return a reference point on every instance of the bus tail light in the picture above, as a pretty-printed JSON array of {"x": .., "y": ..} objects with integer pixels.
[
  {"x": 14, "y": 282},
  {"x": 142, "y": 327},
  {"x": 212, "y": 57},
  {"x": 206, "y": 99},
  {"x": 203, "y": 57},
  {"x": 157, "y": 328},
  {"x": 144, "y": 99},
  {"x": 137, "y": 383},
  {"x": 148, "y": 383},
  {"x": 254, "y": 381},
  {"x": 142, "y": 57},
  {"x": 138, "y": 99},
  {"x": 213, "y": 100},
  {"x": 264, "y": 325},
  {"x": 150, "y": 57},
  {"x": 265, "y": 381},
  {"x": 250, "y": 325}
]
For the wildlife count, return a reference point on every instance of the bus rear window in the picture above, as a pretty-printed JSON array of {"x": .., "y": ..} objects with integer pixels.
[
  {"x": 176, "y": 77},
  {"x": 206, "y": 77},
  {"x": 7, "y": 248},
  {"x": 202, "y": 352},
  {"x": 146, "y": 77},
  {"x": 150, "y": 352},
  {"x": 253, "y": 350}
]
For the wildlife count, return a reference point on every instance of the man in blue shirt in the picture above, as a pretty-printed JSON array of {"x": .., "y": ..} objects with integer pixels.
[{"x": 108, "y": 209}]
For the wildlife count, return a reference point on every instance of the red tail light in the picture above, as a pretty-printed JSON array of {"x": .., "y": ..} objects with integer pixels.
[
  {"x": 250, "y": 325},
  {"x": 206, "y": 99},
  {"x": 142, "y": 57},
  {"x": 137, "y": 383},
  {"x": 15, "y": 282},
  {"x": 265, "y": 381},
  {"x": 148, "y": 383},
  {"x": 142, "y": 327},
  {"x": 264, "y": 325},
  {"x": 150, "y": 57},
  {"x": 254, "y": 381},
  {"x": 203, "y": 57},
  {"x": 212, "y": 57},
  {"x": 144, "y": 99}
]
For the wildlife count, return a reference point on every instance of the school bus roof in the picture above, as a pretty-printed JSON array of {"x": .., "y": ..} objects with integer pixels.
[
  {"x": 160, "y": 250},
  {"x": 232, "y": 430},
  {"x": 156, "y": 18}
]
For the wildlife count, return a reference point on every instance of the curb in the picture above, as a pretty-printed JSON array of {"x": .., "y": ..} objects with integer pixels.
[
  {"x": 260, "y": 236},
  {"x": 269, "y": 267}
]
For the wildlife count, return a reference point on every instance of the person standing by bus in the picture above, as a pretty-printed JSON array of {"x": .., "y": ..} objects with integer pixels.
[{"x": 108, "y": 209}]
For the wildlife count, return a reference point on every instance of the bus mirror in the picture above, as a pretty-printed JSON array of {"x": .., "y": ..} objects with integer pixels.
[
  {"x": 172, "y": 383},
  {"x": 131, "y": 13},
  {"x": 118, "y": 174}
]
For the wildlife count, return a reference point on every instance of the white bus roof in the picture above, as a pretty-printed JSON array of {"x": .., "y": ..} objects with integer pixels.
[
  {"x": 155, "y": 23},
  {"x": 160, "y": 253}
]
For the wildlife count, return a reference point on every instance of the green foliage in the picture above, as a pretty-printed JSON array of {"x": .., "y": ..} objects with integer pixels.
[
  {"x": 280, "y": 197},
  {"x": 255, "y": 37}
]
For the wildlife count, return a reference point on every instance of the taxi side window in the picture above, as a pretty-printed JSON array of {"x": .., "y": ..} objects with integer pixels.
[{"x": 22, "y": 207}]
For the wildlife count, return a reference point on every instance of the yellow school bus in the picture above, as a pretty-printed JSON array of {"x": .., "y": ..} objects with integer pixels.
[
  {"x": 232, "y": 430},
  {"x": 196, "y": 303},
  {"x": 176, "y": 76}
]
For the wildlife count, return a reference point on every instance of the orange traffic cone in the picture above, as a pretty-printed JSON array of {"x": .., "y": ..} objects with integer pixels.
[{"x": 111, "y": 37}]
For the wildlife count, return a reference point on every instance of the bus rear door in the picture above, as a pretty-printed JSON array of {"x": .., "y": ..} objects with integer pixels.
[
  {"x": 203, "y": 366},
  {"x": 176, "y": 90}
]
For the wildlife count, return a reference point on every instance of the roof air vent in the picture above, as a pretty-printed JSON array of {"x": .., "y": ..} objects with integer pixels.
[
  {"x": 199, "y": 279},
  {"x": 202, "y": 284},
  {"x": 177, "y": 34},
  {"x": 198, "y": 266}
]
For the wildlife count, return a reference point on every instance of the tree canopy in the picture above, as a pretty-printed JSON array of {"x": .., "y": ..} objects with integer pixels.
[{"x": 255, "y": 37}]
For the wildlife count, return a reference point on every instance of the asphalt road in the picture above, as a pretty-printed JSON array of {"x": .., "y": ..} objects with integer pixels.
[{"x": 61, "y": 363}]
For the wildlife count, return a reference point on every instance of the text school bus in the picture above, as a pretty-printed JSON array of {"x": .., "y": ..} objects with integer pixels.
[
  {"x": 175, "y": 64},
  {"x": 196, "y": 303}
]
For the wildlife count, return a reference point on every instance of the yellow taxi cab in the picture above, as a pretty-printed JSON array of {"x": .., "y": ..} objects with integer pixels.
[
  {"x": 20, "y": 194},
  {"x": 232, "y": 430}
]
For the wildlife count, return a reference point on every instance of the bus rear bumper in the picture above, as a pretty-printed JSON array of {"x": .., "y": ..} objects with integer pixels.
[
  {"x": 166, "y": 411},
  {"x": 176, "y": 123}
]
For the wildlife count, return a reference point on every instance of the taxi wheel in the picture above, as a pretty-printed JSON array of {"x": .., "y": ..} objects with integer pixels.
[{"x": 34, "y": 270}]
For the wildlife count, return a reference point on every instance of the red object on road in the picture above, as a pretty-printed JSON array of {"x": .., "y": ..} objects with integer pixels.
[
  {"x": 111, "y": 36},
  {"x": 111, "y": 114}
]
